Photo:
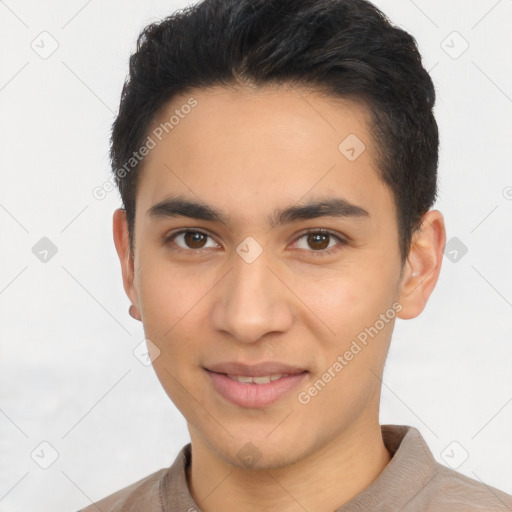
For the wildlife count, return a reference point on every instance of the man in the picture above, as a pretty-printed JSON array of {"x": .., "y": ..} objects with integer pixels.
[{"x": 277, "y": 162}]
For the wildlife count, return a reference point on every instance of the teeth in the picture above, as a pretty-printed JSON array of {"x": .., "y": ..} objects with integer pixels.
[
  {"x": 261, "y": 380},
  {"x": 257, "y": 380},
  {"x": 241, "y": 378}
]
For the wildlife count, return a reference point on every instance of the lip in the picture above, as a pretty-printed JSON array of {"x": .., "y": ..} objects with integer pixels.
[
  {"x": 255, "y": 370},
  {"x": 255, "y": 395}
]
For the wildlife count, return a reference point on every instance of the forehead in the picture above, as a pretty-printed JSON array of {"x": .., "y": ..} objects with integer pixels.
[{"x": 254, "y": 146}]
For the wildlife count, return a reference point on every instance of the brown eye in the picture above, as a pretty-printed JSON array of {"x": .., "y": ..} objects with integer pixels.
[
  {"x": 190, "y": 240},
  {"x": 318, "y": 241},
  {"x": 194, "y": 239}
]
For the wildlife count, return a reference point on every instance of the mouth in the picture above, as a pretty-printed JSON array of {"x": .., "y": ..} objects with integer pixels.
[
  {"x": 254, "y": 391},
  {"x": 264, "y": 369}
]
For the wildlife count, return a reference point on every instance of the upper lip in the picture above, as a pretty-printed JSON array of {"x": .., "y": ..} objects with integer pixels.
[{"x": 254, "y": 370}]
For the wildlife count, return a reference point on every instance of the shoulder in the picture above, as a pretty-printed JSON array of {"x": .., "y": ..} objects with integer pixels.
[
  {"x": 453, "y": 491},
  {"x": 141, "y": 495}
]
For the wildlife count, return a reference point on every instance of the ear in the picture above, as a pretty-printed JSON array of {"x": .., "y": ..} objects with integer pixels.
[
  {"x": 122, "y": 243},
  {"x": 423, "y": 265}
]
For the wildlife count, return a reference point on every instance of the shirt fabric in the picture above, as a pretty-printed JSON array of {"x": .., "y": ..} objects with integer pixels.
[{"x": 413, "y": 481}]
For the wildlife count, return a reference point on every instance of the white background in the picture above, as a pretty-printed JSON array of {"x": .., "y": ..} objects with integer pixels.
[{"x": 68, "y": 374}]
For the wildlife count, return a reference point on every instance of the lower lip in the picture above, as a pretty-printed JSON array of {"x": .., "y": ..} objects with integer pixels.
[{"x": 254, "y": 395}]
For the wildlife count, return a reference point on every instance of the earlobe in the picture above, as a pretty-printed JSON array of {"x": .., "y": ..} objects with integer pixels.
[
  {"x": 121, "y": 241},
  {"x": 423, "y": 265},
  {"x": 134, "y": 312}
]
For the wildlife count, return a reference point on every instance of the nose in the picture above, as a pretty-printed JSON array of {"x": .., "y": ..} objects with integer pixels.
[{"x": 251, "y": 301}]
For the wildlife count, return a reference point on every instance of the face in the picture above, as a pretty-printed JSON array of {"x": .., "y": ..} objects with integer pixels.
[{"x": 289, "y": 264}]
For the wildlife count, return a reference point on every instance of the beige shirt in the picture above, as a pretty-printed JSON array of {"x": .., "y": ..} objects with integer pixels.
[{"x": 413, "y": 481}]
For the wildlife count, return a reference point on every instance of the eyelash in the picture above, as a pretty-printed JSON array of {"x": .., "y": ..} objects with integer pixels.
[{"x": 320, "y": 253}]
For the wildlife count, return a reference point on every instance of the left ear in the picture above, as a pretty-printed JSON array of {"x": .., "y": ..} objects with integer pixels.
[{"x": 423, "y": 265}]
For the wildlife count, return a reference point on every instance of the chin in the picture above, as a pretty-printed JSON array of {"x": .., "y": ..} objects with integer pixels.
[{"x": 260, "y": 454}]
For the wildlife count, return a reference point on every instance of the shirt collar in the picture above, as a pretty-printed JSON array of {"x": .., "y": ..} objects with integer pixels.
[{"x": 410, "y": 469}]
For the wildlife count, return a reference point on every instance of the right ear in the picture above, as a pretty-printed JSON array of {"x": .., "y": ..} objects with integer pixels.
[{"x": 122, "y": 243}]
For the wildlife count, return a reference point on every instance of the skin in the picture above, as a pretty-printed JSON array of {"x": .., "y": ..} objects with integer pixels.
[{"x": 247, "y": 152}]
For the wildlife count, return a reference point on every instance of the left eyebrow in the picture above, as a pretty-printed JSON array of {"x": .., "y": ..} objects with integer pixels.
[
  {"x": 180, "y": 206},
  {"x": 332, "y": 207}
]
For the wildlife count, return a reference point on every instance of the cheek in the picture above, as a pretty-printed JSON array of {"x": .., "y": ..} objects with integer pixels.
[
  {"x": 171, "y": 312},
  {"x": 171, "y": 308},
  {"x": 168, "y": 295},
  {"x": 347, "y": 303},
  {"x": 350, "y": 360}
]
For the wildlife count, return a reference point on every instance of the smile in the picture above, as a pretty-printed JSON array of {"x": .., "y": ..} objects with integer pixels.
[
  {"x": 265, "y": 379},
  {"x": 254, "y": 392}
]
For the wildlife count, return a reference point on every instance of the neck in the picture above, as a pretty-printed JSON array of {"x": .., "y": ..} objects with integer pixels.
[{"x": 323, "y": 481}]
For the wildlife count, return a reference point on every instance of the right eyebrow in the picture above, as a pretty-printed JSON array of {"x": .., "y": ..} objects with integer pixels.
[{"x": 181, "y": 207}]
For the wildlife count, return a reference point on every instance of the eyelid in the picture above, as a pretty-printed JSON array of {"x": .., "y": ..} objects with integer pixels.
[
  {"x": 335, "y": 234},
  {"x": 167, "y": 238},
  {"x": 342, "y": 239}
]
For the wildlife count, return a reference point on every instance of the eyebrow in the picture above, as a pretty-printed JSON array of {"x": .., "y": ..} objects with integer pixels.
[{"x": 180, "y": 206}]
